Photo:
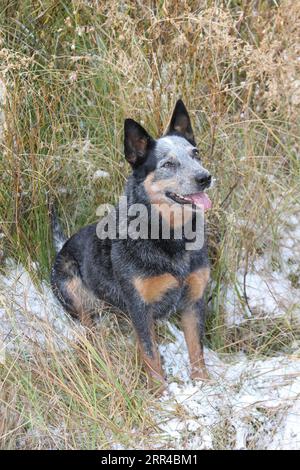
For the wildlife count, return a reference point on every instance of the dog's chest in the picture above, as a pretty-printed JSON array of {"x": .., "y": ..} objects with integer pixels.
[{"x": 167, "y": 293}]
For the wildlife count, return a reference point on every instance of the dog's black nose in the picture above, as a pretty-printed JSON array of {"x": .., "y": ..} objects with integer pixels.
[{"x": 204, "y": 179}]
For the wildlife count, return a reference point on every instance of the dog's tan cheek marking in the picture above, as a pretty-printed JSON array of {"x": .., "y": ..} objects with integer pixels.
[
  {"x": 197, "y": 282},
  {"x": 148, "y": 184},
  {"x": 155, "y": 191},
  {"x": 152, "y": 289}
]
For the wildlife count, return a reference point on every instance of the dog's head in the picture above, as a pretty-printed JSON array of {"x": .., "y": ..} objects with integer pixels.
[{"x": 169, "y": 168}]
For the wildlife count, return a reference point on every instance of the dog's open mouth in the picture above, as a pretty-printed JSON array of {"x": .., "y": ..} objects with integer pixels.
[{"x": 197, "y": 199}]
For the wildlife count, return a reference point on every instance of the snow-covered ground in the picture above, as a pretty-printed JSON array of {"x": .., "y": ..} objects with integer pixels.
[
  {"x": 250, "y": 403},
  {"x": 30, "y": 313},
  {"x": 272, "y": 281}
]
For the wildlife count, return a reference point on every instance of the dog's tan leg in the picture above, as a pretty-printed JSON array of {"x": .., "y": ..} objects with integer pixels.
[
  {"x": 190, "y": 321},
  {"x": 83, "y": 302},
  {"x": 152, "y": 362}
]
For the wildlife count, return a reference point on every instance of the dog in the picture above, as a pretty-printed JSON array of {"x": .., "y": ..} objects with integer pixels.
[{"x": 148, "y": 279}]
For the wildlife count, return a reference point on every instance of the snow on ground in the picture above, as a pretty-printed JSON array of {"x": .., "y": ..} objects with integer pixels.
[
  {"x": 272, "y": 282},
  {"x": 100, "y": 174},
  {"x": 30, "y": 314},
  {"x": 250, "y": 403}
]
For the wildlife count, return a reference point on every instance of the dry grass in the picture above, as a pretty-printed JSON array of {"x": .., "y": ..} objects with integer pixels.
[
  {"x": 73, "y": 71},
  {"x": 91, "y": 395}
]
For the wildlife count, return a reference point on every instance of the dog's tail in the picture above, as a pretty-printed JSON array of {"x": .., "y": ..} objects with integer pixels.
[{"x": 58, "y": 235}]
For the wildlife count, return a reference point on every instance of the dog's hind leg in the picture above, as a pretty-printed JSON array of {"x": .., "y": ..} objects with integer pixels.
[
  {"x": 71, "y": 291},
  {"x": 81, "y": 300}
]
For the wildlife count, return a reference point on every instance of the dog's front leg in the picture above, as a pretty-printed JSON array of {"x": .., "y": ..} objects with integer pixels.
[
  {"x": 144, "y": 327},
  {"x": 192, "y": 320}
]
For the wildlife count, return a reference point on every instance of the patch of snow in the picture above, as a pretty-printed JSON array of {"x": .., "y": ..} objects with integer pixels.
[
  {"x": 100, "y": 174},
  {"x": 250, "y": 403},
  {"x": 287, "y": 436},
  {"x": 31, "y": 314},
  {"x": 270, "y": 290}
]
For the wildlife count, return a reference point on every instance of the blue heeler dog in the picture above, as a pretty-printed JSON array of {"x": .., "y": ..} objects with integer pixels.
[{"x": 147, "y": 279}]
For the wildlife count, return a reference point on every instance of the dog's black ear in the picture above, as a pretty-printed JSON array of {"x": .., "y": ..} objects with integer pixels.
[
  {"x": 180, "y": 123},
  {"x": 137, "y": 142}
]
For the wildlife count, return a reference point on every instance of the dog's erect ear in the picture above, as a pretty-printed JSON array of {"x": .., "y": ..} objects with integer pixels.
[
  {"x": 137, "y": 142},
  {"x": 180, "y": 123}
]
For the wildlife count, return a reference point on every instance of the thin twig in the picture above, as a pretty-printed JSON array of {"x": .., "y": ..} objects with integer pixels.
[{"x": 229, "y": 193}]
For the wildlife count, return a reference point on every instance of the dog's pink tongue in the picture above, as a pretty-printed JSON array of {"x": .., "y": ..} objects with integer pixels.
[{"x": 200, "y": 199}]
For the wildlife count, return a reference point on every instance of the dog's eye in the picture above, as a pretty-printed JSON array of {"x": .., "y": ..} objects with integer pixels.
[
  {"x": 195, "y": 153},
  {"x": 169, "y": 164}
]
